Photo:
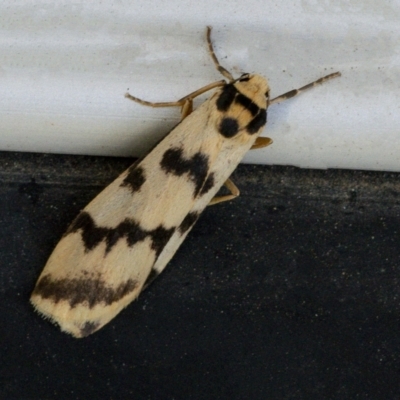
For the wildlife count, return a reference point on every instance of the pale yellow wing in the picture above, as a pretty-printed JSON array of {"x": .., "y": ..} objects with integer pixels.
[{"x": 129, "y": 232}]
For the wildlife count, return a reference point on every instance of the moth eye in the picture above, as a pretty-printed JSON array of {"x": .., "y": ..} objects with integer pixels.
[
  {"x": 244, "y": 78},
  {"x": 267, "y": 94}
]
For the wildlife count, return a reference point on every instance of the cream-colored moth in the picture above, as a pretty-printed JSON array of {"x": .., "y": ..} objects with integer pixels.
[{"x": 126, "y": 236}]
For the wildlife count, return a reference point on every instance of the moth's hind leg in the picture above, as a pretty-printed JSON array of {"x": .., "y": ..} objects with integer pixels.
[
  {"x": 295, "y": 92},
  {"x": 234, "y": 193}
]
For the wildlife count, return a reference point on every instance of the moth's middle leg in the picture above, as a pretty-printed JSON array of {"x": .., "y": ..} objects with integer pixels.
[{"x": 261, "y": 142}]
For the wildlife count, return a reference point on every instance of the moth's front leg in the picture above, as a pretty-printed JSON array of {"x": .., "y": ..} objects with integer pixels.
[{"x": 186, "y": 103}]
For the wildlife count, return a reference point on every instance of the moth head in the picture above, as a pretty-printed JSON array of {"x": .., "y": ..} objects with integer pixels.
[{"x": 255, "y": 87}]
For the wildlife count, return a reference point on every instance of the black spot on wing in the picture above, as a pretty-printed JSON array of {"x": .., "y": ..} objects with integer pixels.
[
  {"x": 188, "y": 222},
  {"x": 199, "y": 170},
  {"x": 150, "y": 278},
  {"x": 173, "y": 162},
  {"x": 257, "y": 122},
  {"x": 88, "y": 328},
  {"x": 226, "y": 97},
  {"x": 86, "y": 290},
  {"x": 228, "y": 127},
  {"x": 135, "y": 178}
]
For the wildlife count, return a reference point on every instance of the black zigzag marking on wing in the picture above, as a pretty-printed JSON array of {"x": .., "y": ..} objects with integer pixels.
[
  {"x": 208, "y": 184},
  {"x": 135, "y": 178},
  {"x": 93, "y": 235},
  {"x": 160, "y": 237},
  {"x": 87, "y": 289},
  {"x": 196, "y": 167}
]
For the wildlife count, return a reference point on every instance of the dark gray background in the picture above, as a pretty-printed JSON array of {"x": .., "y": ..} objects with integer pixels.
[{"x": 289, "y": 292}]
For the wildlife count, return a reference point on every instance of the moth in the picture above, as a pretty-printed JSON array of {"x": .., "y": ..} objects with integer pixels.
[{"x": 125, "y": 237}]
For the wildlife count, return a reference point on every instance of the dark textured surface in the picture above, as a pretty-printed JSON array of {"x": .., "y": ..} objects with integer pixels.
[{"x": 289, "y": 292}]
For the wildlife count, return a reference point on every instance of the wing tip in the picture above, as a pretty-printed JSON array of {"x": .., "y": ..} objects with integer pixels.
[{"x": 76, "y": 329}]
